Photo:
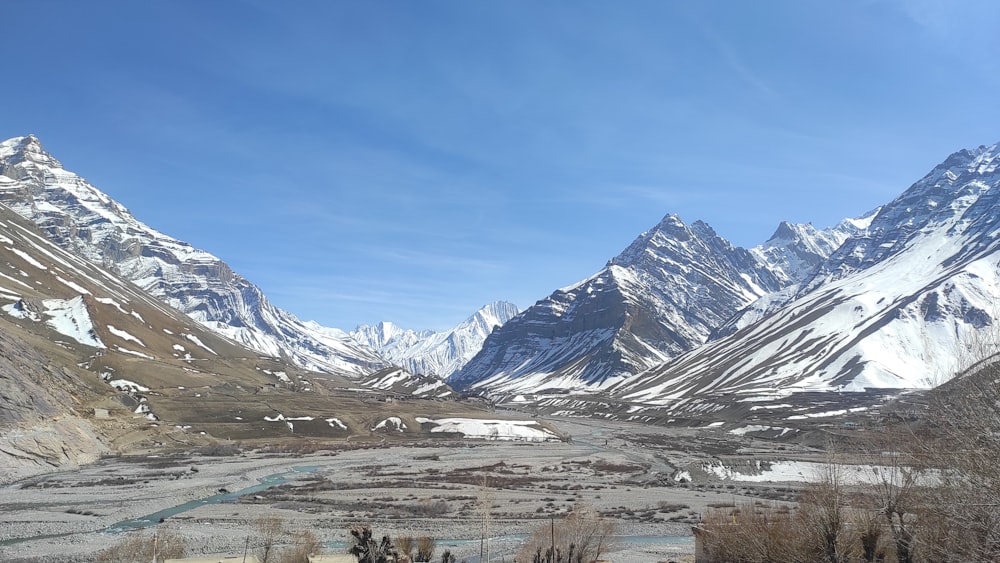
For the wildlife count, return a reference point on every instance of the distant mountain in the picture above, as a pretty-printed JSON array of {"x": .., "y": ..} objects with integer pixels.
[
  {"x": 904, "y": 304},
  {"x": 435, "y": 353},
  {"x": 87, "y": 222},
  {"x": 662, "y": 296}
]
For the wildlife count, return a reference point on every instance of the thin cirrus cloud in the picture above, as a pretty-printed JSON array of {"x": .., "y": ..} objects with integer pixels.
[{"x": 442, "y": 155}]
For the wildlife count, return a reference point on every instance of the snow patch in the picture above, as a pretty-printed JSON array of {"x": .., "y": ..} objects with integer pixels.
[
  {"x": 525, "y": 430},
  {"x": 125, "y": 335},
  {"x": 393, "y": 423},
  {"x": 134, "y": 353},
  {"x": 127, "y": 386},
  {"x": 197, "y": 341}
]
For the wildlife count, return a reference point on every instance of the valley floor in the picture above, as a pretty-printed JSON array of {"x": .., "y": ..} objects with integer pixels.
[{"x": 627, "y": 472}]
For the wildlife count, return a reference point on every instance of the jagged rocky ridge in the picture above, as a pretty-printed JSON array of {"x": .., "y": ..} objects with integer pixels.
[
  {"x": 906, "y": 304},
  {"x": 87, "y": 222},
  {"x": 661, "y": 296},
  {"x": 889, "y": 300},
  {"x": 435, "y": 353}
]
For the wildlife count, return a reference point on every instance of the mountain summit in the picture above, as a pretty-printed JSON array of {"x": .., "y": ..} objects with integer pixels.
[
  {"x": 87, "y": 222},
  {"x": 869, "y": 303},
  {"x": 905, "y": 303},
  {"x": 435, "y": 353},
  {"x": 663, "y": 295}
]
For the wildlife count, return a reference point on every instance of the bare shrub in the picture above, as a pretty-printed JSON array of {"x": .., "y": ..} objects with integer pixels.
[
  {"x": 163, "y": 544},
  {"x": 405, "y": 545},
  {"x": 869, "y": 535},
  {"x": 304, "y": 544},
  {"x": 269, "y": 530},
  {"x": 751, "y": 534},
  {"x": 431, "y": 508},
  {"x": 582, "y": 536},
  {"x": 425, "y": 548}
]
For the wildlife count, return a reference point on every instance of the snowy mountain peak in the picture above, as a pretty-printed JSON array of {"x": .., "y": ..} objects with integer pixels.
[
  {"x": 435, "y": 353},
  {"x": 662, "y": 295},
  {"x": 918, "y": 278},
  {"x": 26, "y": 149},
  {"x": 89, "y": 223},
  {"x": 494, "y": 314}
]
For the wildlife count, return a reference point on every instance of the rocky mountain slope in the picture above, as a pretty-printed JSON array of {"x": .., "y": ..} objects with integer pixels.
[
  {"x": 75, "y": 340},
  {"x": 435, "y": 353},
  {"x": 683, "y": 323},
  {"x": 902, "y": 305},
  {"x": 87, "y": 222},
  {"x": 662, "y": 296}
]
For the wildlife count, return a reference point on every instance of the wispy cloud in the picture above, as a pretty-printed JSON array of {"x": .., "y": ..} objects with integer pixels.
[{"x": 744, "y": 71}]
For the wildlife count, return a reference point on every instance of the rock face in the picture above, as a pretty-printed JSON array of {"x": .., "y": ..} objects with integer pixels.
[
  {"x": 39, "y": 427},
  {"x": 87, "y": 222},
  {"x": 435, "y": 353},
  {"x": 661, "y": 296}
]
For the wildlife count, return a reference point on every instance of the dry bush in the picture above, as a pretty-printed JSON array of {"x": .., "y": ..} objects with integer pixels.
[
  {"x": 959, "y": 518},
  {"x": 425, "y": 548},
  {"x": 269, "y": 530},
  {"x": 137, "y": 546},
  {"x": 582, "y": 536},
  {"x": 405, "y": 545},
  {"x": 869, "y": 530},
  {"x": 752, "y": 534},
  {"x": 304, "y": 544}
]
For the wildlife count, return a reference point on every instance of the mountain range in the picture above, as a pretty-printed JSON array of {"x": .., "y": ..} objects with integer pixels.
[
  {"x": 435, "y": 353},
  {"x": 666, "y": 293},
  {"x": 682, "y": 321},
  {"x": 88, "y": 223}
]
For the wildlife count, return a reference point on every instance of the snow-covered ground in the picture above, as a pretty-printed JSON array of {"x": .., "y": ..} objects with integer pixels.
[{"x": 526, "y": 430}]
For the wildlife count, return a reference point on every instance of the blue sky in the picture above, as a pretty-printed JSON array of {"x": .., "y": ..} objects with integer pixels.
[{"x": 412, "y": 161}]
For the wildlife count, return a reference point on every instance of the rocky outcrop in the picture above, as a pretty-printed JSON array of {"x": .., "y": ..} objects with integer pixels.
[{"x": 40, "y": 429}]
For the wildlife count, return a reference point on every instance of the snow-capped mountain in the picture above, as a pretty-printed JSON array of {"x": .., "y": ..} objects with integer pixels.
[
  {"x": 87, "y": 222},
  {"x": 901, "y": 304},
  {"x": 662, "y": 296},
  {"x": 75, "y": 339},
  {"x": 435, "y": 353},
  {"x": 794, "y": 253},
  {"x": 882, "y": 301}
]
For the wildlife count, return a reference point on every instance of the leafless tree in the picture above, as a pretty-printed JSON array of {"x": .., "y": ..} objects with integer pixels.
[
  {"x": 894, "y": 472},
  {"x": 304, "y": 544},
  {"x": 582, "y": 536},
  {"x": 822, "y": 517},
  {"x": 163, "y": 544},
  {"x": 962, "y": 441},
  {"x": 269, "y": 530},
  {"x": 484, "y": 507}
]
